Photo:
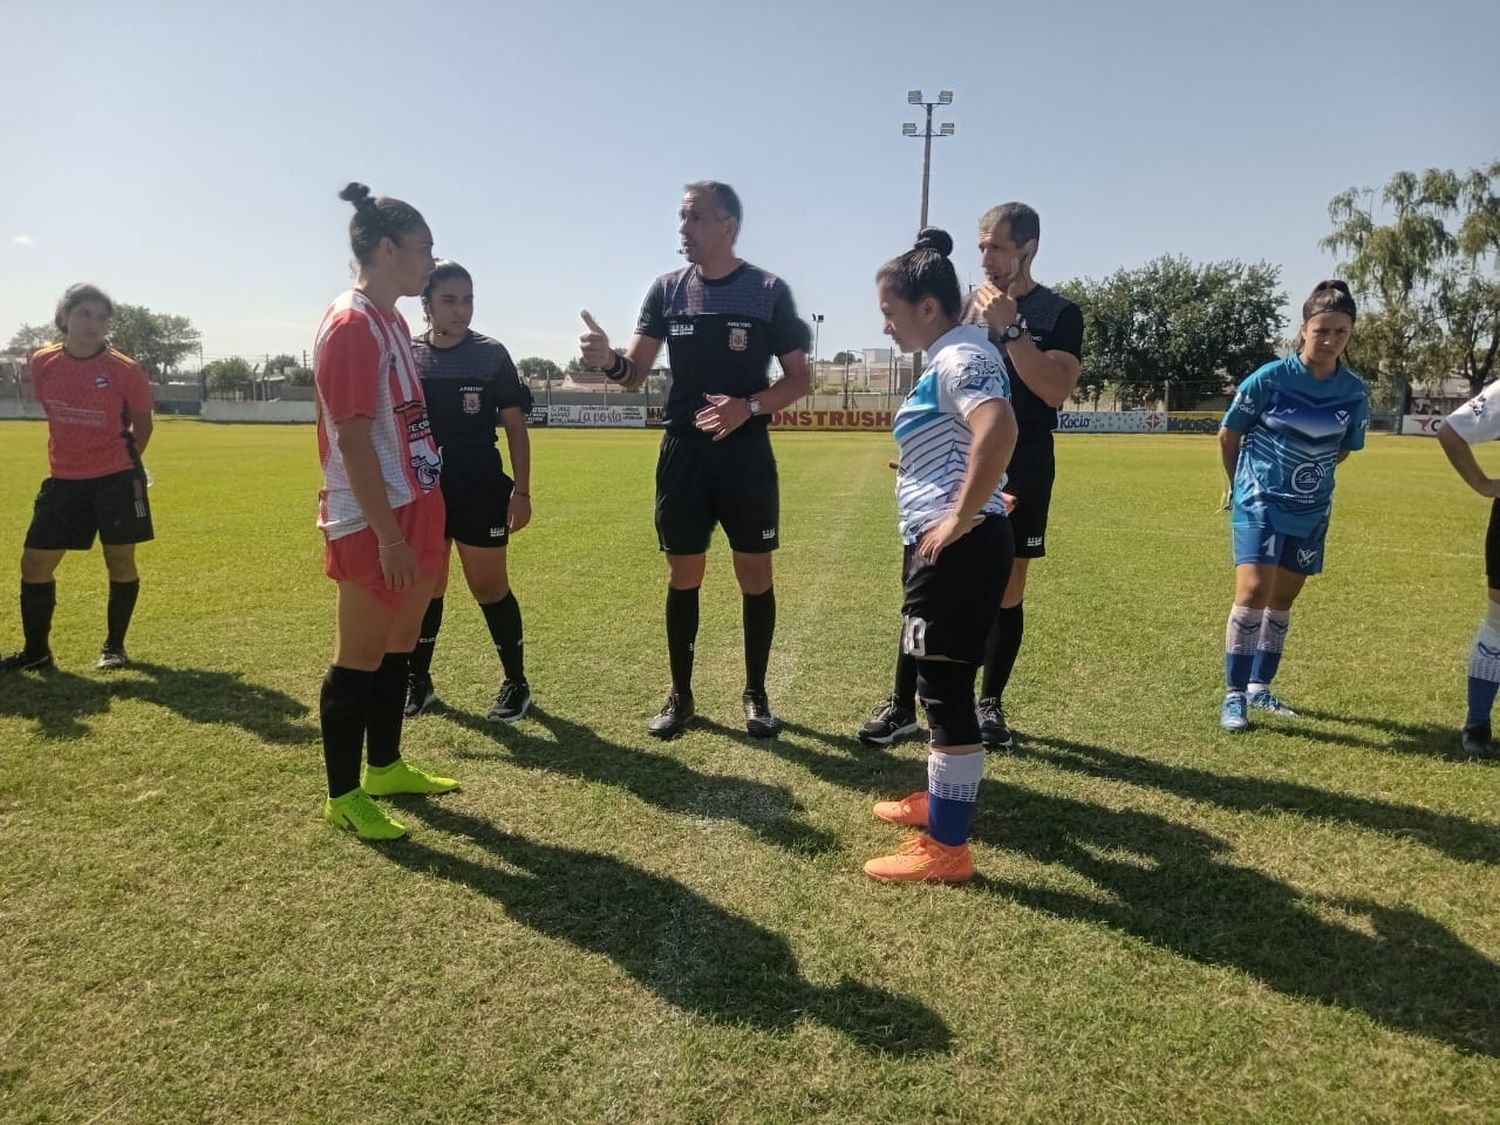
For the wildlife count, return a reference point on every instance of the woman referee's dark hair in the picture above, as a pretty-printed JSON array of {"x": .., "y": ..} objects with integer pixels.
[
  {"x": 925, "y": 271},
  {"x": 376, "y": 218},
  {"x": 444, "y": 271}
]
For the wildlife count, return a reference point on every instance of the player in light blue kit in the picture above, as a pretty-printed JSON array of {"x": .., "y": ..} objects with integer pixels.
[{"x": 1290, "y": 424}]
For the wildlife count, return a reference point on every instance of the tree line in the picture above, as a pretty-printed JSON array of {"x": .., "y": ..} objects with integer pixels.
[{"x": 1422, "y": 256}]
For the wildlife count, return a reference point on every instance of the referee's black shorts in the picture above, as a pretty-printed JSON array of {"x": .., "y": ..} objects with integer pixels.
[
  {"x": 950, "y": 604},
  {"x": 701, "y": 482},
  {"x": 1029, "y": 479},
  {"x": 476, "y": 491},
  {"x": 69, "y": 513}
]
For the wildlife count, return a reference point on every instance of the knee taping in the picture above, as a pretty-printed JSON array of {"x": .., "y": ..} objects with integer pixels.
[{"x": 946, "y": 689}]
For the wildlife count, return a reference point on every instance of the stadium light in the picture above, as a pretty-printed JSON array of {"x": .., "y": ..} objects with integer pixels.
[{"x": 909, "y": 129}]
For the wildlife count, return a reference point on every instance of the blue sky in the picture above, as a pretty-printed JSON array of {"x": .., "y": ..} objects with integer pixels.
[{"x": 187, "y": 156}]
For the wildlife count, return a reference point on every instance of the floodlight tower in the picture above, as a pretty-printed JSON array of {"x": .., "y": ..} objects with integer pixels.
[
  {"x": 909, "y": 129},
  {"x": 945, "y": 129}
]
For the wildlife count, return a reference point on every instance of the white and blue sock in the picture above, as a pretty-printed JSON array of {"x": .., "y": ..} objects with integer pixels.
[
  {"x": 1273, "y": 627},
  {"x": 1241, "y": 638},
  {"x": 952, "y": 790},
  {"x": 1484, "y": 669}
]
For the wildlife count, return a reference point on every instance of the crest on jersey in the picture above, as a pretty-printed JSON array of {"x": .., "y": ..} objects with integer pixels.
[
  {"x": 1306, "y": 556},
  {"x": 471, "y": 402},
  {"x": 1341, "y": 417},
  {"x": 739, "y": 339}
]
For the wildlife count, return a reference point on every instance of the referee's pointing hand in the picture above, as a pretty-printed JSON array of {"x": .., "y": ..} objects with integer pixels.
[{"x": 594, "y": 344}]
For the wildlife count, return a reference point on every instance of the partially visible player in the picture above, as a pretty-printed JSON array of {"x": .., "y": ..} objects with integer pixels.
[
  {"x": 956, "y": 432},
  {"x": 722, "y": 320},
  {"x": 471, "y": 386},
  {"x": 98, "y": 404},
  {"x": 1289, "y": 425},
  {"x": 380, "y": 510},
  {"x": 1039, "y": 335},
  {"x": 1475, "y": 421}
]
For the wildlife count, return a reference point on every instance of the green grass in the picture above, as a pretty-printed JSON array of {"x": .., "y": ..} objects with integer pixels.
[{"x": 1296, "y": 924}]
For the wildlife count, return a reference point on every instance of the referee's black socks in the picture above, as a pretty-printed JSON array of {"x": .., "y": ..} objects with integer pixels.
[
  {"x": 682, "y": 635},
  {"x": 122, "y": 596},
  {"x": 1001, "y": 650},
  {"x": 504, "y": 619},
  {"x": 387, "y": 698},
  {"x": 344, "y": 713},
  {"x": 38, "y": 600},
  {"x": 759, "y": 615},
  {"x": 421, "y": 656}
]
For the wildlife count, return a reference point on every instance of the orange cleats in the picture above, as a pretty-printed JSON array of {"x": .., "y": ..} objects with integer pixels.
[
  {"x": 910, "y": 811},
  {"x": 923, "y": 860}
]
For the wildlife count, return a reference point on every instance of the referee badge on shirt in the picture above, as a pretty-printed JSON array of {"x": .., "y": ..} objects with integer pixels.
[
  {"x": 471, "y": 402},
  {"x": 739, "y": 339}
]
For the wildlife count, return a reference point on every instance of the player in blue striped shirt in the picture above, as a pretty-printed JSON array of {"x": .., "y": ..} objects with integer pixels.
[{"x": 1290, "y": 424}]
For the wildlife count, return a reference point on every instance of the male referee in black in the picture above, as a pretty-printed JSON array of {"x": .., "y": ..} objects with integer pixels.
[{"x": 722, "y": 319}]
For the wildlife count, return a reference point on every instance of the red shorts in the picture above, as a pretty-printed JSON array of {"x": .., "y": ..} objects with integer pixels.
[{"x": 356, "y": 558}]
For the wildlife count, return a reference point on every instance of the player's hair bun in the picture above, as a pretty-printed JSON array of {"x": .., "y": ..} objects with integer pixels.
[
  {"x": 934, "y": 238},
  {"x": 357, "y": 194}
]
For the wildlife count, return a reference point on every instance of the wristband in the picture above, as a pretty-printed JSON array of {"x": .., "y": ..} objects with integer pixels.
[
  {"x": 525, "y": 494},
  {"x": 391, "y": 546},
  {"x": 619, "y": 369}
]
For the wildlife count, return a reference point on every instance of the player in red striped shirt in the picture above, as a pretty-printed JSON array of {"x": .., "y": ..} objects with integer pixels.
[
  {"x": 380, "y": 511},
  {"x": 98, "y": 403}
]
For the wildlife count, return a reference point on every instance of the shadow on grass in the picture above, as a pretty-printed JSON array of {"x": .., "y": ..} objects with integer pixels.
[
  {"x": 1423, "y": 739},
  {"x": 1456, "y": 836},
  {"x": 1171, "y": 885},
  {"x": 688, "y": 950},
  {"x": 574, "y": 750},
  {"x": 61, "y": 703}
]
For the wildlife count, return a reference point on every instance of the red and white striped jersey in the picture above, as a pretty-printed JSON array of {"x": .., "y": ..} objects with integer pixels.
[{"x": 363, "y": 367}]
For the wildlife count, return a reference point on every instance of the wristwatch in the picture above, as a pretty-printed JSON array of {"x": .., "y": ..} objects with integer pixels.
[
  {"x": 755, "y": 406},
  {"x": 1014, "y": 331}
]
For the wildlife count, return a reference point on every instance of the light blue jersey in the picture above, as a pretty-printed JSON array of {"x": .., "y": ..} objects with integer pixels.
[
  {"x": 933, "y": 432},
  {"x": 1295, "y": 426}
]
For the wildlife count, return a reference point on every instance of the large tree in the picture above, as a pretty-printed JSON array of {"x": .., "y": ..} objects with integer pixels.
[
  {"x": 1176, "y": 331},
  {"x": 157, "y": 341},
  {"x": 30, "y": 337},
  {"x": 535, "y": 367},
  {"x": 1424, "y": 259}
]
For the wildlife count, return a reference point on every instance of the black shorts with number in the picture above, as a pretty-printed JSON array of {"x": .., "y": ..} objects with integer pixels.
[
  {"x": 477, "y": 494},
  {"x": 69, "y": 513},
  {"x": 1029, "y": 479},
  {"x": 701, "y": 482},
  {"x": 949, "y": 605}
]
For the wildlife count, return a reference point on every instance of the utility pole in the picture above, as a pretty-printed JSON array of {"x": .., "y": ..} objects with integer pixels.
[{"x": 909, "y": 129}]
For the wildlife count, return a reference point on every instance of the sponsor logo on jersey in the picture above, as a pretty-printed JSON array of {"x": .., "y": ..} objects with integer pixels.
[
  {"x": 1306, "y": 556},
  {"x": 1034, "y": 541},
  {"x": 471, "y": 402},
  {"x": 680, "y": 328},
  {"x": 1307, "y": 476},
  {"x": 496, "y": 532},
  {"x": 768, "y": 533},
  {"x": 101, "y": 382},
  {"x": 739, "y": 339}
]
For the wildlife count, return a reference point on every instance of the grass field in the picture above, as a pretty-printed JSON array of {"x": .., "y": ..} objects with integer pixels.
[{"x": 1173, "y": 923}]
